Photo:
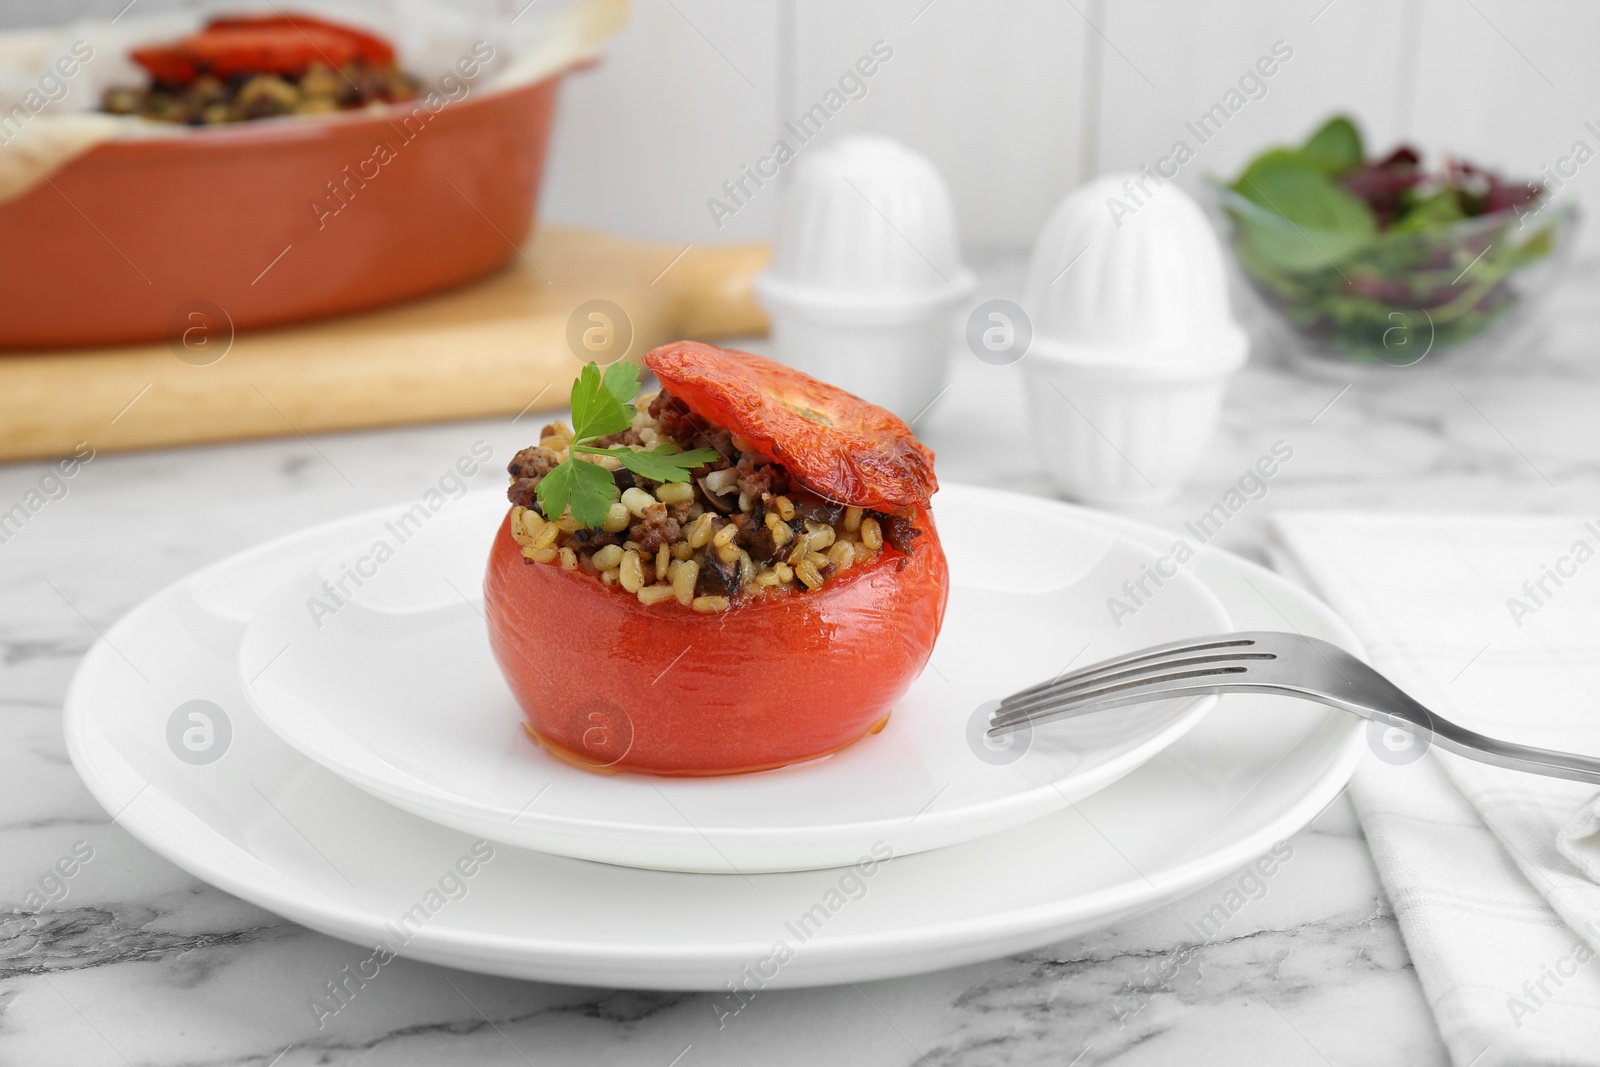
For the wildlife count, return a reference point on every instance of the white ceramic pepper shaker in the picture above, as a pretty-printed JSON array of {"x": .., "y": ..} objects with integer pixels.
[
  {"x": 866, "y": 284},
  {"x": 1133, "y": 342}
]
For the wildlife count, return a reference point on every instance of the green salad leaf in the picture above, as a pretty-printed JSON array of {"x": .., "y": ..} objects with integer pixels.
[
  {"x": 1326, "y": 221},
  {"x": 1335, "y": 148},
  {"x": 1355, "y": 252},
  {"x": 1437, "y": 209},
  {"x": 1286, "y": 184}
]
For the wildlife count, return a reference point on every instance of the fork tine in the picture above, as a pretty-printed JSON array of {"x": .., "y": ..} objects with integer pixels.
[
  {"x": 1154, "y": 652},
  {"x": 1095, "y": 679},
  {"x": 1121, "y": 694}
]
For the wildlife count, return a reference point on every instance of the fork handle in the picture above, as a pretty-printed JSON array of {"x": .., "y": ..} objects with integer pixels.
[
  {"x": 1450, "y": 736},
  {"x": 1481, "y": 748},
  {"x": 1403, "y": 711}
]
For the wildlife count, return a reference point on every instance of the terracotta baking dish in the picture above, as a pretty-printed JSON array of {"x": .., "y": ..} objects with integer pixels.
[{"x": 113, "y": 247}]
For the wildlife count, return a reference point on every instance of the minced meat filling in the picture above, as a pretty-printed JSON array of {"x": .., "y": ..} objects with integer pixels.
[{"x": 739, "y": 527}]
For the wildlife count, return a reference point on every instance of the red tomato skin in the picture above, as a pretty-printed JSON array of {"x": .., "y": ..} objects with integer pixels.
[
  {"x": 612, "y": 685},
  {"x": 266, "y": 50},
  {"x": 832, "y": 442},
  {"x": 277, "y": 44},
  {"x": 368, "y": 47},
  {"x": 168, "y": 64}
]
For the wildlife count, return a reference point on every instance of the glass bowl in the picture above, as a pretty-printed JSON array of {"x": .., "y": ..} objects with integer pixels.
[{"x": 1395, "y": 298}]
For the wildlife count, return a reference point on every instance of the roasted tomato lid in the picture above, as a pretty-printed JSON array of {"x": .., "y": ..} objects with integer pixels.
[
  {"x": 832, "y": 442},
  {"x": 272, "y": 44}
]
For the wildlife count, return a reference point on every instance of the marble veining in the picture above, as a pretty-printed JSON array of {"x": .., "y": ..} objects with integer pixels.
[{"x": 135, "y": 962}]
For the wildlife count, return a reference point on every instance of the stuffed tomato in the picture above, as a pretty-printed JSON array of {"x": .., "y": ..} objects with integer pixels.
[{"x": 735, "y": 573}]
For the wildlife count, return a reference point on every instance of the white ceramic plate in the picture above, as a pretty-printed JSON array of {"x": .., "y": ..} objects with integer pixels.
[
  {"x": 268, "y": 825},
  {"x": 396, "y": 691}
]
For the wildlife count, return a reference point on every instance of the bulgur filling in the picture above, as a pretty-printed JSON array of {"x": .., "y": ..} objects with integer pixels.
[
  {"x": 209, "y": 101},
  {"x": 739, "y": 528}
]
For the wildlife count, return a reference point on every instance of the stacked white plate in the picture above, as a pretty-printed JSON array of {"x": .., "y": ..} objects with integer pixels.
[{"x": 345, "y": 754}]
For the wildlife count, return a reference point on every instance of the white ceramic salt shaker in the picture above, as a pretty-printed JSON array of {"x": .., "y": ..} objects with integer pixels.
[
  {"x": 866, "y": 285},
  {"x": 1133, "y": 341}
]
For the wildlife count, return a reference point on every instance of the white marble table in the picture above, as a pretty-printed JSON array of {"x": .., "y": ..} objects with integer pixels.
[{"x": 139, "y": 963}]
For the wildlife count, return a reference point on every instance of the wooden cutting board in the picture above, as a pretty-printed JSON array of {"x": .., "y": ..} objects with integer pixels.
[{"x": 495, "y": 347}]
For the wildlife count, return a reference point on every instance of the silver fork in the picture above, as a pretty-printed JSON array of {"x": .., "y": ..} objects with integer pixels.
[{"x": 1284, "y": 664}]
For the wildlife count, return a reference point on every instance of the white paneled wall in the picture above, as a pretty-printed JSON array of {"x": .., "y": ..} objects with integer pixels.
[
  {"x": 1017, "y": 101},
  {"x": 686, "y": 96},
  {"x": 1512, "y": 84},
  {"x": 993, "y": 93},
  {"x": 1167, "y": 65}
]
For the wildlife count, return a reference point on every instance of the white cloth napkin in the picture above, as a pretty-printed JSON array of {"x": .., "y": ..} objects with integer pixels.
[{"x": 1493, "y": 622}]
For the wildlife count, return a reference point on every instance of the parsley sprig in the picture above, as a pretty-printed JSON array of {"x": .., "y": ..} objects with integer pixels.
[{"x": 603, "y": 405}]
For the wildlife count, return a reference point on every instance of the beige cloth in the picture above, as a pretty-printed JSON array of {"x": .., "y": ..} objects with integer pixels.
[{"x": 44, "y": 145}]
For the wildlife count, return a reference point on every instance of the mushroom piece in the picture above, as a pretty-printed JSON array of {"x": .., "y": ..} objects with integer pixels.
[
  {"x": 718, "y": 578},
  {"x": 715, "y": 499}
]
